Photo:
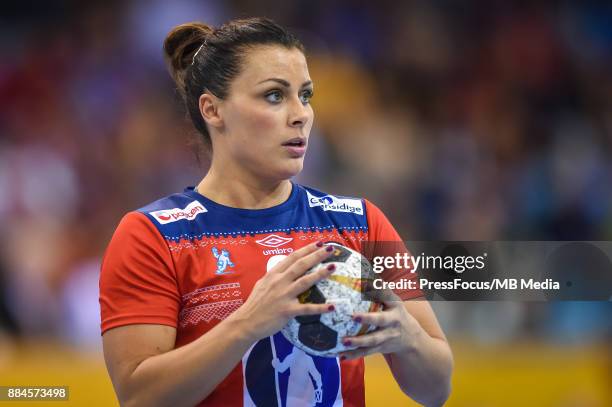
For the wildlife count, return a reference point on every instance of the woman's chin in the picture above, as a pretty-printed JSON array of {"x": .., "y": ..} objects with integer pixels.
[{"x": 291, "y": 169}]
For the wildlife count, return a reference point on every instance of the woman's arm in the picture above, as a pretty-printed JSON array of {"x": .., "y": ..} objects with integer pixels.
[
  {"x": 423, "y": 370},
  {"x": 146, "y": 370},
  {"x": 414, "y": 347}
]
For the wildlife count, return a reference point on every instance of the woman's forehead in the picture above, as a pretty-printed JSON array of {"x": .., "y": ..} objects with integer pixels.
[{"x": 265, "y": 62}]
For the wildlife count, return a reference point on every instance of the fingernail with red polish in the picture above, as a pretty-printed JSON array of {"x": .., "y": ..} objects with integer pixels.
[
  {"x": 329, "y": 249},
  {"x": 319, "y": 244},
  {"x": 358, "y": 319},
  {"x": 331, "y": 267},
  {"x": 342, "y": 357},
  {"x": 347, "y": 343},
  {"x": 331, "y": 307}
]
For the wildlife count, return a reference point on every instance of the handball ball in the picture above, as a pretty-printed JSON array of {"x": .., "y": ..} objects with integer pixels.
[{"x": 321, "y": 334}]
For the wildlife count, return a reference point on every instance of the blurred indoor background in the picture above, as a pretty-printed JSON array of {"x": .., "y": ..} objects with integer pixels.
[{"x": 462, "y": 120}]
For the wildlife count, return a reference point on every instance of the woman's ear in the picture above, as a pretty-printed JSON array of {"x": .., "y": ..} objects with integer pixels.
[{"x": 210, "y": 109}]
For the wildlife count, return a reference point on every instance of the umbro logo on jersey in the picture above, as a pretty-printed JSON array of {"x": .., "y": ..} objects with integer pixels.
[
  {"x": 335, "y": 204},
  {"x": 172, "y": 215},
  {"x": 274, "y": 241}
]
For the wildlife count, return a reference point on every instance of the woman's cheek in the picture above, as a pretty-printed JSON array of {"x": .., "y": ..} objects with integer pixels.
[{"x": 262, "y": 120}]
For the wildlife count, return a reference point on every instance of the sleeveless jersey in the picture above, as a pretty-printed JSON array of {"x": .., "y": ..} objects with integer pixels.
[{"x": 188, "y": 262}]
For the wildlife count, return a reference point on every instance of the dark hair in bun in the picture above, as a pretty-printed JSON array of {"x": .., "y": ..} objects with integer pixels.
[{"x": 206, "y": 59}]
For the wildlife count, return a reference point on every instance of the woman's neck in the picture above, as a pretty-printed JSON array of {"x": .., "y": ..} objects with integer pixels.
[{"x": 238, "y": 192}]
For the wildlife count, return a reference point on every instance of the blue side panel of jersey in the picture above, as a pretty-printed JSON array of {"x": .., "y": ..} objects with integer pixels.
[{"x": 300, "y": 216}]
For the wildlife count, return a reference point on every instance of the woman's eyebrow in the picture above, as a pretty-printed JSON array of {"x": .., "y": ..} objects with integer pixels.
[{"x": 284, "y": 82}]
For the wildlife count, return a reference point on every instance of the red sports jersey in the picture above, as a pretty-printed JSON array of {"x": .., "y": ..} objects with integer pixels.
[{"x": 188, "y": 262}]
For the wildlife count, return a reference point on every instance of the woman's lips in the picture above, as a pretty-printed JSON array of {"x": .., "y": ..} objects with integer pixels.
[
  {"x": 296, "y": 147},
  {"x": 296, "y": 151}
]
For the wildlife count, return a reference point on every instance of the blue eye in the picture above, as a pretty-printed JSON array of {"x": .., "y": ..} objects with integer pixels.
[
  {"x": 274, "y": 97},
  {"x": 306, "y": 96}
]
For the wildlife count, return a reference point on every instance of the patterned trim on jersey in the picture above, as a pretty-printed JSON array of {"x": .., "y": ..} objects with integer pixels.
[
  {"x": 195, "y": 244},
  {"x": 206, "y": 312},
  {"x": 202, "y": 294},
  {"x": 220, "y": 301},
  {"x": 327, "y": 228}
]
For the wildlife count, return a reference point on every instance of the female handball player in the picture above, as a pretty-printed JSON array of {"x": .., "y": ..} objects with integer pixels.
[{"x": 195, "y": 287}]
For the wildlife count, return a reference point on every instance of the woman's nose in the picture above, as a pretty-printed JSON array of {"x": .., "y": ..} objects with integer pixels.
[{"x": 299, "y": 114}]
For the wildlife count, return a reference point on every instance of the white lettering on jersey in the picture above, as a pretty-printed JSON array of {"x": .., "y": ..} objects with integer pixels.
[
  {"x": 172, "y": 215},
  {"x": 333, "y": 203}
]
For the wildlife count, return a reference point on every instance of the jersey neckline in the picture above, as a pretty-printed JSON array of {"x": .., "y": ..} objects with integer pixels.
[{"x": 250, "y": 213}]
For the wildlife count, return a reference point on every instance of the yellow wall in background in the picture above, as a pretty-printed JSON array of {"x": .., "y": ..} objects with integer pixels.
[
  {"x": 48, "y": 364},
  {"x": 512, "y": 375}
]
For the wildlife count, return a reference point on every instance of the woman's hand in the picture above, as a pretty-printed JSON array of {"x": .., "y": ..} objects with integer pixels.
[
  {"x": 273, "y": 301},
  {"x": 397, "y": 331}
]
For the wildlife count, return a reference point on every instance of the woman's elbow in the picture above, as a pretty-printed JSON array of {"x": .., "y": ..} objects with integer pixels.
[
  {"x": 446, "y": 374},
  {"x": 441, "y": 398}
]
